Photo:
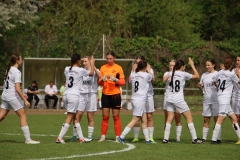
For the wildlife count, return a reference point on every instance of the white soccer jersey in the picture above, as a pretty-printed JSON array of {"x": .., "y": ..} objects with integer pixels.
[
  {"x": 225, "y": 80},
  {"x": 167, "y": 87},
  {"x": 89, "y": 84},
  {"x": 140, "y": 85},
  {"x": 150, "y": 90},
  {"x": 175, "y": 94},
  {"x": 9, "y": 91},
  {"x": 209, "y": 90},
  {"x": 74, "y": 78},
  {"x": 236, "y": 89}
]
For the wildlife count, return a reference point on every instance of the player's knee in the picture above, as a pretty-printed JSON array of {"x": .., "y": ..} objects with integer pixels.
[
  {"x": 116, "y": 118},
  {"x": 105, "y": 118},
  {"x": 2, "y": 118}
]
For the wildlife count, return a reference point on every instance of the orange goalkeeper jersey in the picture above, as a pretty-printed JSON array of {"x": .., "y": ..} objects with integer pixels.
[{"x": 109, "y": 87}]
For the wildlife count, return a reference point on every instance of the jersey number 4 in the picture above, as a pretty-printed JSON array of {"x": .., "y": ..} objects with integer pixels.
[{"x": 221, "y": 85}]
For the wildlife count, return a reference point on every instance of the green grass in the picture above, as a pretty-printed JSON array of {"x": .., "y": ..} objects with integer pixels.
[{"x": 46, "y": 128}]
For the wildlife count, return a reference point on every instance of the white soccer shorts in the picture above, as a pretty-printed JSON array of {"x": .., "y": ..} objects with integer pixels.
[
  {"x": 210, "y": 110},
  {"x": 180, "y": 106},
  {"x": 16, "y": 104},
  {"x": 88, "y": 102},
  {"x": 138, "y": 107},
  {"x": 150, "y": 104},
  {"x": 71, "y": 102}
]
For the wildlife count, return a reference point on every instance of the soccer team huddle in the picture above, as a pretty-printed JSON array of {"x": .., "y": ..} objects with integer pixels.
[{"x": 220, "y": 90}]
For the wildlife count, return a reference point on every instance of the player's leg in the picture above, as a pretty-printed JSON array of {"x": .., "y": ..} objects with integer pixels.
[
  {"x": 128, "y": 128},
  {"x": 24, "y": 126},
  {"x": 78, "y": 127},
  {"x": 104, "y": 124},
  {"x": 167, "y": 127},
  {"x": 136, "y": 130},
  {"x": 170, "y": 116},
  {"x": 116, "y": 105},
  {"x": 235, "y": 125},
  {"x": 90, "y": 116},
  {"x": 217, "y": 127},
  {"x": 106, "y": 103},
  {"x": 149, "y": 110},
  {"x": 91, "y": 108},
  {"x": 5, "y": 108},
  {"x": 72, "y": 102},
  {"x": 177, "y": 117}
]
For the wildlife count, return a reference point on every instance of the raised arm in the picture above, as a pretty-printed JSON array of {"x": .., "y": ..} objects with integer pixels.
[
  {"x": 195, "y": 72},
  {"x": 92, "y": 63}
]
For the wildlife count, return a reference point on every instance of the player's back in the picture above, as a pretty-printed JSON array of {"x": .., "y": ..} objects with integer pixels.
[
  {"x": 140, "y": 85},
  {"x": 175, "y": 94},
  {"x": 74, "y": 78},
  {"x": 9, "y": 91},
  {"x": 225, "y": 80}
]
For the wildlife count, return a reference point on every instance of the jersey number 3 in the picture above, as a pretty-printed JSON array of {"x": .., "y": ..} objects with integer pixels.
[
  {"x": 7, "y": 83},
  {"x": 70, "y": 84}
]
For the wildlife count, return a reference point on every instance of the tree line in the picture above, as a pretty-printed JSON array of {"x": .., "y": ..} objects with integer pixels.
[{"x": 163, "y": 29}]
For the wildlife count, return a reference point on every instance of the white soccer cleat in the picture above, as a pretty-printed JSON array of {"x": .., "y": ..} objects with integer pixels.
[
  {"x": 84, "y": 140},
  {"x": 32, "y": 142},
  {"x": 59, "y": 140}
]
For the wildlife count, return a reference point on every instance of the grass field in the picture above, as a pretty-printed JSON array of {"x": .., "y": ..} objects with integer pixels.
[{"x": 46, "y": 127}]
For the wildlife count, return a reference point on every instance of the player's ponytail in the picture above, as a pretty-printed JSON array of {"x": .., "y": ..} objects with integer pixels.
[
  {"x": 75, "y": 57},
  {"x": 13, "y": 60},
  {"x": 177, "y": 66}
]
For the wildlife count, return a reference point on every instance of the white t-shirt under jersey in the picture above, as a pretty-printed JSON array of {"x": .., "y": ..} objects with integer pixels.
[
  {"x": 9, "y": 91},
  {"x": 89, "y": 84},
  {"x": 236, "y": 89},
  {"x": 209, "y": 90},
  {"x": 175, "y": 94},
  {"x": 74, "y": 78},
  {"x": 140, "y": 85},
  {"x": 225, "y": 80}
]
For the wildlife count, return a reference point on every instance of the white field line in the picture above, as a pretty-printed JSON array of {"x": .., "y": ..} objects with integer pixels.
[{"x": 130, "y": 147}]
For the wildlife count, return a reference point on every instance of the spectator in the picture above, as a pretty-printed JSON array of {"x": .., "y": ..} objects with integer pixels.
[
  {"x": 32, "y": 92},
  {"x": 51, "y": 92},
  {"x": 62, "y": 89}
]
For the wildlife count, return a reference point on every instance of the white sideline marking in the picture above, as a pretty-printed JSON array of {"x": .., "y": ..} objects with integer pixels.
[{"x": 130, "y": 147}]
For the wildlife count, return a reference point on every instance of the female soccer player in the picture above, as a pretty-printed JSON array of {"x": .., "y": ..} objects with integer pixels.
[
  {"x": 88, "y": 97},
  {"x": 112, "y": 79},
  {"x": 149, "y": 105},
  {"x": 176, "y": 100},
  {"x": 177, "y": 115},
  {"x": 74, "y": 77},
  {"x": 140, "y": 80},
  {"x": 224, "y": 80},
  {"x": 12, "y": 96},
  {"x": 210, "y": 103}
]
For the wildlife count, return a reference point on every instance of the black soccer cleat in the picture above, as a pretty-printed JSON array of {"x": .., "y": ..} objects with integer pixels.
[
  {"x": 197, "y": 141},
  {"x": 165, "y": 141}
]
